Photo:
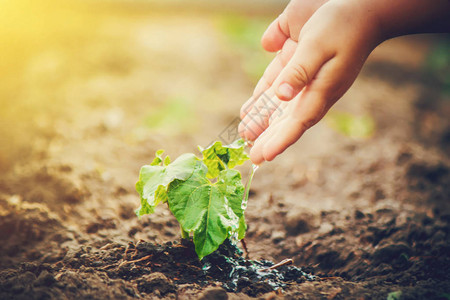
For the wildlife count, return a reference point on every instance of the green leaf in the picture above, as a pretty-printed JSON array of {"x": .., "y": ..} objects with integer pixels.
[
  {"x": 158, "y": 158},
  {"x": 218, "y": 157},
  {"x": 166, "y": 161},
  {"x": 155, "y": 178},
  {"x": 212, "y": 212},
  {"x": 242, "y": 227},
  {"x": 397, "y": 295}
]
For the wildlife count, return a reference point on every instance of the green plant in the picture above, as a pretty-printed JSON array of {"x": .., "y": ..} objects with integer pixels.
[{"x": 206, "y": 195}]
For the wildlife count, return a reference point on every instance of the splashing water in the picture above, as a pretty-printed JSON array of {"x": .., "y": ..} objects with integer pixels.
[
  {"x": 247, "y": 186},
  {"x": 248, "y": 143},
  {"x": 234, "y": 237}
]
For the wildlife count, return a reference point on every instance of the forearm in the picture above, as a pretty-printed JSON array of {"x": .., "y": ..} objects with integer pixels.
[{"x": 402, "y": 17}]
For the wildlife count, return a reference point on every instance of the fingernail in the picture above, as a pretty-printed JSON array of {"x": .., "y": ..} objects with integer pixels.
[{"x": 285, "y": 91}]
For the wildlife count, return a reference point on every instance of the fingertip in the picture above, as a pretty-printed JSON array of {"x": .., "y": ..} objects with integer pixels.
[
  {"x": 287, "y": 133},
  {"x": 250, "y": 134},
  {"x": 255, "y": 156},
  {"x": 270, "y": 150},
  {"x": 256, "y": 161},
  {"x": 273, "y": 38},
  {"x": 269, "y": 155},
  {"x": 261, "y": 153},
  {"x": 257, "y": 152},
  {"x": 271, "y": 45},
  {"x": 248, "y": 129}
]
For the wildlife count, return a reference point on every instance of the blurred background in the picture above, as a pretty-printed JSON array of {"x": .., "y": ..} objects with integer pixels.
[
  {"x": 75, "y": 71},
  {"x": 100, "y": 85},
  {"x": 169, "y": 72}
]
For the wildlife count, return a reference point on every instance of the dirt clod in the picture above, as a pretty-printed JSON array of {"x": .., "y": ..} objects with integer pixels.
[
  {"x": 150, "y": 283},
  {"x": 298, "y": 222},
  {"x": 213, "y": 293},
  {"x": 391, "y": 252}
]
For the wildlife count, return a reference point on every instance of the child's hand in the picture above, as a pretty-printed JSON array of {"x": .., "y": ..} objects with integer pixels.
[
  {"x": 320, "y": 58},
  {"x": 323, "y": 47},
  {"x": 283, "y": 34}
]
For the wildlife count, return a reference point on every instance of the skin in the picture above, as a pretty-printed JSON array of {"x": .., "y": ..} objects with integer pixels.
[{"x": 322, "y": 46}]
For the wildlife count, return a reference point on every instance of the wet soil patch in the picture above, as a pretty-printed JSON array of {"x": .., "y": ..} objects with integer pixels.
[{"x": 146, "y": 268}]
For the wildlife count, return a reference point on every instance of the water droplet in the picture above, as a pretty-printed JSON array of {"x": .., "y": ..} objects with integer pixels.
[{"x": 247, "y": 186}]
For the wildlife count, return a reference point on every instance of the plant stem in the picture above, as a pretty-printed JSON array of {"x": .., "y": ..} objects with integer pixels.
[{"x": 184, "y": 234}]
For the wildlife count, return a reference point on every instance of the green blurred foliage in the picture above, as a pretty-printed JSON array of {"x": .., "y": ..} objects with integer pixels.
[
  {"x": 242, "y": 30},
  {"x": 351, "y": 125},
  {"x": 244, "y": 33},
  {"x": 438, "y": 63},
  {"x": 397, "y": 295},
  {"x": 175, "y": 116},
  {"x": 445, "y": 296}
]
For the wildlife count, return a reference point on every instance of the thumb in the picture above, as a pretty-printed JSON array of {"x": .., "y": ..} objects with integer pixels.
[{"x": 300, "y": 70}]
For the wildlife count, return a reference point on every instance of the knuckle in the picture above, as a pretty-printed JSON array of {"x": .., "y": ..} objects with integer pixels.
[
  {"x": 300, "y": 75},
  {"x": 307, "y": 123}
]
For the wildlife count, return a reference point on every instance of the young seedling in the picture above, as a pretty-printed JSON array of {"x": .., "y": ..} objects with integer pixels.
[{"x": 206, "y": 195}]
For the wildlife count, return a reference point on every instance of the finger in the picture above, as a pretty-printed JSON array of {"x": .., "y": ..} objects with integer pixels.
[
  {"x": 272, "y": 109},
  {"x": 252, "y": 126},
  {"x": 276, "y": 34},
  {"x": 301, "y": 69},
  {"x": 247, "y": 106},
  {"x": 270, "y": 74},
  {"x": 256, "y": 152},
  {"x": 274, "y": 68},
  {"x": 280, "y": 29},
  {"x": 276, "y": 116},
  {"x": 302, "y": 113},
  {"x": 243, "y": 127},
  {"x": 291, "y": 129},
  {"x": 257, "y": 119},
  {"x": 283, "y": 133}
]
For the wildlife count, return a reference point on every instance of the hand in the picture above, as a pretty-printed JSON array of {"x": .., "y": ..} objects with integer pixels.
[{"x": 320, "y": 57}]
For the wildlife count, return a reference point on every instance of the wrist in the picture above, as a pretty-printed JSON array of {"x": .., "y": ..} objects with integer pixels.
[
  {"x": 367, "y": 20},
  {"x": 402, "y": 17}
]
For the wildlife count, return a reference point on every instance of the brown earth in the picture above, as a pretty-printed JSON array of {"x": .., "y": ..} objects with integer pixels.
[{"x": 91, "y": 92}]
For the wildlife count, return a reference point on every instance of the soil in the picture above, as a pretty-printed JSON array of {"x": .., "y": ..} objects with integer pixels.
[{"x": 88, "y": 103}]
